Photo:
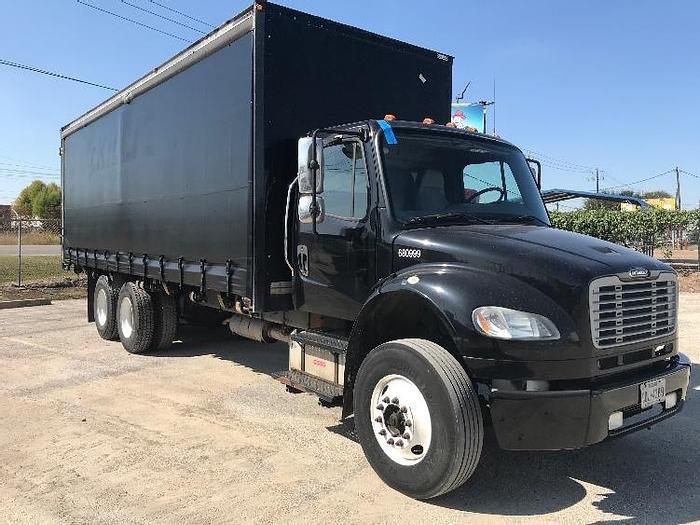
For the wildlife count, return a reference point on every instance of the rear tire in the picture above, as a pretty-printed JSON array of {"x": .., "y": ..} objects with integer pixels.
[
  {"x": 164, "y": 321},
  {"x": 105, "y": 308},
  {"x": 135, "y": 318},
  {"x": 418, "y": 417}
]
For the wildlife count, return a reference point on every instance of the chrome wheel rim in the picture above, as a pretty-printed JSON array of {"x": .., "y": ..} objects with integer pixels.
[
  {"x": 126, "y": 317},
  {"x": 400, "y": 419},
  {"x": 101, "y": 307}
]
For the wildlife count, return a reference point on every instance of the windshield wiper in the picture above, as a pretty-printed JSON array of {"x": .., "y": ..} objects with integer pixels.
[
  {"x": 443, "y": 218},
  {"x": 521, "y": 218}
]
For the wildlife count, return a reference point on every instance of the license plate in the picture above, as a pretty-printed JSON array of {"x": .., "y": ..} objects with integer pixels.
[{"x": 652, "y": 392}]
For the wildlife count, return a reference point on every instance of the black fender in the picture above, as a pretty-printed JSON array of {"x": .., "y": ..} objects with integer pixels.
[{"x": 449, "y": 293}]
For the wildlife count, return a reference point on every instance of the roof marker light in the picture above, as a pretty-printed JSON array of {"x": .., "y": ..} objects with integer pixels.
[
  {"x": 428, "y": 121},
  {"x": 389, "y": 117}
]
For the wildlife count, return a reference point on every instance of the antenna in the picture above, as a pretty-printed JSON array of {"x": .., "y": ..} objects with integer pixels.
[
  {"x": 494, "y": 106},
  {"x": 461, "y": 95}
]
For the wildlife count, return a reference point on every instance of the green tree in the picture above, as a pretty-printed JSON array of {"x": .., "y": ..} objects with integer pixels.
[
  {"x": 39, "y": 200},
  {"x": 657, "y": 194}
]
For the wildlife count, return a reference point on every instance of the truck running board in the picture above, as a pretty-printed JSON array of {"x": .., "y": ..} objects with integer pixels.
[
  {"x": 329, "y": 395},
  {"x": 316, "y": 365}
]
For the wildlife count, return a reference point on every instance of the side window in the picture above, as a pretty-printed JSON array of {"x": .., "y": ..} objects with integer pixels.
[
  {"x": 478, "y": 177},
  {"x": 345, "y": 180}
]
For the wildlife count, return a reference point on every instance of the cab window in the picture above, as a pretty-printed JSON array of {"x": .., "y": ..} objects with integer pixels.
[{"x": 345, "y": 181}]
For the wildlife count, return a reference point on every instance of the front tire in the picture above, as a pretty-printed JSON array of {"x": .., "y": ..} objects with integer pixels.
[
  {"x": 418, "y": 417},
  {"x": 135, "y": 318}
]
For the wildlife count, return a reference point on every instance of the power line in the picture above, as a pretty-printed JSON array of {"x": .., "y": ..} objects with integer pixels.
[
  {"x": 167, "y": 8},
  {"x": 133, "y": 21},
  {"x": 560, "y": 161},
  {"x": 640, "y": 181},
  {"x": 30, "y": 166},
  {"x": 17, "y": 65},
  {"x": 162, "y": 16},
  {"x": 17, "y": 173},
  {"x": 688, "y": 173}
]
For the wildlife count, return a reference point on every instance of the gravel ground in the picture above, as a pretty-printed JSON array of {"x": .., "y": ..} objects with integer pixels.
[{"x": 203, "y": 434}]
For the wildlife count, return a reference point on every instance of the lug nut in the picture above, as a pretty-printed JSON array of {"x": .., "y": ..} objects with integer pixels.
[
  {"x": 380, "y": 407},
  {"x": 378, "y": 419},
  {"x": 390, "y": 441},
  {"x": 382, "y": 432},
  {"x": 399, "y": 443},
  {"x": 404, "y": 409},
  {"x": 395, "y": 400},
  {"x": 386, "y": 399},
  {"x": 408, "y": 423},
  {"x": 406, "y": 436}
]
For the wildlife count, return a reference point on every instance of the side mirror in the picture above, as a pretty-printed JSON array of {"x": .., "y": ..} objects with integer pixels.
[
  {"x": 304, "y": 170},
  {"x": 306, "y": 215},
  {"x": 536, "y": 170}
]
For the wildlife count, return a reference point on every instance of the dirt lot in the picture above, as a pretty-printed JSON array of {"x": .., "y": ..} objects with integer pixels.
[{"x": 202, "y": 433}]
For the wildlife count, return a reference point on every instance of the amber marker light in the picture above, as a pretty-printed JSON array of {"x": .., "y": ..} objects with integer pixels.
[{"x": 389, "y": 117}]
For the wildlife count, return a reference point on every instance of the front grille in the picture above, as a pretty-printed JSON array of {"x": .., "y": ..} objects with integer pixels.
[{"x": 625, "y": 312}]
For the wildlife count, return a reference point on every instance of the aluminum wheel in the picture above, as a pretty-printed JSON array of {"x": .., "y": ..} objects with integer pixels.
[
  {"x": 400, "y": 419},
  {"x": 101, "y": 307},
  {"x": 126, "y": 317}
]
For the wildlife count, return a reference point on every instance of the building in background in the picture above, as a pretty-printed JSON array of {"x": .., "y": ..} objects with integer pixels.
[{"x": 5, "y": 214}]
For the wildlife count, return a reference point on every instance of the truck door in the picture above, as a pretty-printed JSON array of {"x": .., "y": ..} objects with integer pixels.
[{"x": 335, "y": 264}]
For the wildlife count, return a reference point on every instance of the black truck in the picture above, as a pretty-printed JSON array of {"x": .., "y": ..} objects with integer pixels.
[{"x": 410, "y": 266}]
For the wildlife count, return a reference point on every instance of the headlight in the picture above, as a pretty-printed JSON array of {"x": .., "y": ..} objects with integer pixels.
[{"x": 504, "y": 323}]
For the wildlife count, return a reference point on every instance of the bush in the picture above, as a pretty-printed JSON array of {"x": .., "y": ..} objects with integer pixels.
[{"x": 627, "y": 228}]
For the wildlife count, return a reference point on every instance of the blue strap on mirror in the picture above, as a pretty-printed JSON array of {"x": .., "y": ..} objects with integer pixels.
[{"x": 388, "y": 132}]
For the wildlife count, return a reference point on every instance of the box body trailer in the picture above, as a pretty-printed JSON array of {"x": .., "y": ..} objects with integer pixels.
[
  {"x": 191, "y": 162},
  {"x": 261, "y": 178}
]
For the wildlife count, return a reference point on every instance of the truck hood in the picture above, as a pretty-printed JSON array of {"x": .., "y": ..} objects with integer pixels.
[{"x": 558, "y": 263}]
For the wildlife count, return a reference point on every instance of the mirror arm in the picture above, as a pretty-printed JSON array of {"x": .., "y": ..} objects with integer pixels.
[{"x": 538, "y": 179}]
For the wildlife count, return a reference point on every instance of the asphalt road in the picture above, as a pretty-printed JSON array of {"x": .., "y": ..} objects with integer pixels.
[
  {"x": 203, "y": 434},
  {"x": 31, "y": 249}
]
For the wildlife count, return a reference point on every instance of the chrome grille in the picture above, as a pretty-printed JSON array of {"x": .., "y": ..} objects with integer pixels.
[{"x": 630, "y": 311}]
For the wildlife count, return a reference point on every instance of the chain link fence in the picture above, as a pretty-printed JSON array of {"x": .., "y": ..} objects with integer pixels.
[{"x": 30, "y": 249}]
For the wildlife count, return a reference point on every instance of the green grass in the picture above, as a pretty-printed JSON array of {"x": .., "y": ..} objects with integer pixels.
[
  {"x": 31, "y": 237},
  {"x": 34, "y": 268}
]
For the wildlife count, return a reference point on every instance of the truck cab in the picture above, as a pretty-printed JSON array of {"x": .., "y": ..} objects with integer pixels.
[{"x": 416, "y": 234}]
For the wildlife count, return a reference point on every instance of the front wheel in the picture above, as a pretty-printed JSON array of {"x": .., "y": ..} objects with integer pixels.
[{"x": 418, "y": 417}]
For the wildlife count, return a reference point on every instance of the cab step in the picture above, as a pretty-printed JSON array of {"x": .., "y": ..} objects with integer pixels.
[
  {"x": 325, "y": 340},
  {"x": 329, "y": 395},
  {"x": 316, "y": 365}
]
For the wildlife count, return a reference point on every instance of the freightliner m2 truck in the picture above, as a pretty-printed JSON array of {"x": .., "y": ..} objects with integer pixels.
[{"x": 410, "y": 266}]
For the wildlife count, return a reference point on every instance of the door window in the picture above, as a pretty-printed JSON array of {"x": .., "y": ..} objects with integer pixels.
[{"x": 345, "y": 181}]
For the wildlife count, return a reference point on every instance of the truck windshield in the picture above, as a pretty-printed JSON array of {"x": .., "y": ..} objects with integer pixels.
[{"x": 430, "y": 178}]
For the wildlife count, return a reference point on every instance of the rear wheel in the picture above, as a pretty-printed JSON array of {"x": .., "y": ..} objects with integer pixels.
[
  {"x": 418, "y": 417},
  {"x": 105, "y": 308},
  {"x": 135, "y": 318},
  {"x": 164, "y": 321}
]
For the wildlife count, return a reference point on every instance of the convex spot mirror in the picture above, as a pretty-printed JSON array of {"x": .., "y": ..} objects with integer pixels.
[
  {"x": 306, "y": 215},
  {"x": 304, "y": 171}
]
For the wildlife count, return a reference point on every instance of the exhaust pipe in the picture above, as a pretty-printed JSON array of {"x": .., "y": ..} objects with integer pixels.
[{"x": 257, "y": 329}]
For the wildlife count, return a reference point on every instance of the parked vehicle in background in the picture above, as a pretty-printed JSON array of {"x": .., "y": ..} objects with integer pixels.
[{"x": 411, "y": 267}]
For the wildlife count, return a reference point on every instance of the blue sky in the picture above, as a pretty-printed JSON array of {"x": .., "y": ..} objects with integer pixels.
[{"x": 601, "y": 84}]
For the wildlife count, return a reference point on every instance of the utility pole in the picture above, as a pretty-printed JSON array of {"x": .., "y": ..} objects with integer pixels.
[
  {"x": 678, "y": 189},
  {"x": 597, "y": 181}
]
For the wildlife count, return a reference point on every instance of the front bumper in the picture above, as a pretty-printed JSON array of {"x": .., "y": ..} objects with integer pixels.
[{"x": 570, "y": 419}]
